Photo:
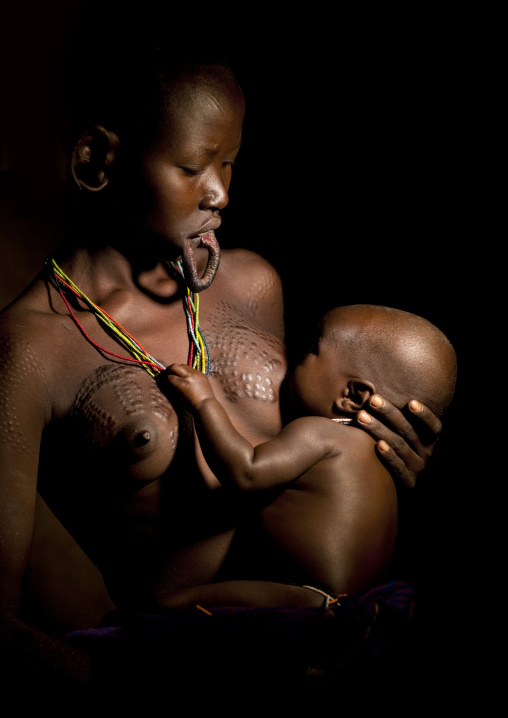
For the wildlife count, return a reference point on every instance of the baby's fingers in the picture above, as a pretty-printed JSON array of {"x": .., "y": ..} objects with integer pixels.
[
  {"x": 192, "y": 384},
  {"x": 178, "y": 370}
]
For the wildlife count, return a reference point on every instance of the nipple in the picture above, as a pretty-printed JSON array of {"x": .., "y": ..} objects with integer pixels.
[
  {"x": 138, "y": 439},
  {"x": 142, "y": 438},
  {"x": 144, "y": 448}
]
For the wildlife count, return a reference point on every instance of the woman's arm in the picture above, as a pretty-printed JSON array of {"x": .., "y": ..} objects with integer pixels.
[
  {"x": 405, "y": 445},
  {"x": 25, "y": 653}
]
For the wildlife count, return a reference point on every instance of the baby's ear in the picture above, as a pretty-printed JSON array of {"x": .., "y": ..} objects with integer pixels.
[
  {"x": 355, "y": 395},
  {"x": 93, "y": 157}
]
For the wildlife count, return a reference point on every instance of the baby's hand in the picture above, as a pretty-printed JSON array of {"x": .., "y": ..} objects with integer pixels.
[{"x": 191, "y": 384}]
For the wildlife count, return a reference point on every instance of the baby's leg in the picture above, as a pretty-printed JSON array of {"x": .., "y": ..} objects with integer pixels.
[{"x": 246, "y": 594}]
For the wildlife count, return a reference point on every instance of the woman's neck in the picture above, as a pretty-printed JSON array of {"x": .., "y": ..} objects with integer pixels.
[
  {"x": 100, "y": 272},
  {"x": 98, "y": 241}
]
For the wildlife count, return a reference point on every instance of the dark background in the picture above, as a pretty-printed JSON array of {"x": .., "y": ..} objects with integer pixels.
[
  {"x": 362, "y": 179},
  {"x": 364, "y": 158}
]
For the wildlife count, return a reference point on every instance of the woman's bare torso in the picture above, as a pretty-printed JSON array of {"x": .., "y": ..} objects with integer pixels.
[{"x": 116, "y": 466}]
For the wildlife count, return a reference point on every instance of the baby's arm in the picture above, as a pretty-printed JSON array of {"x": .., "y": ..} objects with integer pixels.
[{"x": 230, "y": 456}]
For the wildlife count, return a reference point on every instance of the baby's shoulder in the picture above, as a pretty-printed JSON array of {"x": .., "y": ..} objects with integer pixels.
[
  {"x": 359, "y": 460},
  {"x": 349, "y": 459},
  {"x": 353, "y": 442},
  {"x": 347, "y": 443},
  {"x": 343, "y": 434}
]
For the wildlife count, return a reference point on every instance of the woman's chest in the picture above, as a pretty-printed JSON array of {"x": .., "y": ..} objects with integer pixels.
[{"x": 246, "y": 360}]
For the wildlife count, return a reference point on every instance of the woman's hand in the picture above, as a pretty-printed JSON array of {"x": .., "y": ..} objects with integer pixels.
[{"x": 403, "y": 447}]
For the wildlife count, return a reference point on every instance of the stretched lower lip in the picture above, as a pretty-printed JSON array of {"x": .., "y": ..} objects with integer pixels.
[
  {"x": 208, "y": 241},
  {"x": 195, "y": 240}
]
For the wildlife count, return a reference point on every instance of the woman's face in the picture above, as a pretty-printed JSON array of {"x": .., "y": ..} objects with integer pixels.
[{"x": 186, "y": 173}]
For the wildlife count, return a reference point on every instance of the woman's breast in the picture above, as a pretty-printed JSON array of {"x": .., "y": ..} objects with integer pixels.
[
  {"x": 248, "y": 365},
  {"x": 121, "y": 417},
  {"x": 247, "y": 361}
]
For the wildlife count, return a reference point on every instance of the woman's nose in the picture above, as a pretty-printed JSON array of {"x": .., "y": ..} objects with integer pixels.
[{"x": 215, "y": 195}]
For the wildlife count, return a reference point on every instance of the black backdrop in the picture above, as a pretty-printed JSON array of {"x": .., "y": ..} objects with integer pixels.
[
  {"x": 360, "y": 180},
  {"x": 357, "y": 181}
]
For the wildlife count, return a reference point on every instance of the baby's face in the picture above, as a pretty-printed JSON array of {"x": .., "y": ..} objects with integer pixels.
[
  {"x": 186, "y": 171},
  {"x": 321, "y": 376}
]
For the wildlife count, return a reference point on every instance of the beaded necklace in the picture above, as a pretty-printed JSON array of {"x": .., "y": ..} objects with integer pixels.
[{"x": 199, "y": 355}]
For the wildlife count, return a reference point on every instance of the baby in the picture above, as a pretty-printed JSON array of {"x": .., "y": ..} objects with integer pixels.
[{"x": 332, "y": 526}]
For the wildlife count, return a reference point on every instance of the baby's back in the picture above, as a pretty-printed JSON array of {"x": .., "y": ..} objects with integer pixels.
[{"x": 335, "y": 527}]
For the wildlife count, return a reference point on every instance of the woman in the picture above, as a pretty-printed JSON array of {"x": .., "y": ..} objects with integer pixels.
[{"x": 85, "y": 424}]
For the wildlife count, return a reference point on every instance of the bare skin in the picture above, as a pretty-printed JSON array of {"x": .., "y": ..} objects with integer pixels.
[
  {"x": 334, "y": 526},
  {"x": 100, "y": 408},
  {"x": 332, "y": 523},
  {"x": 94, "y": 435}
]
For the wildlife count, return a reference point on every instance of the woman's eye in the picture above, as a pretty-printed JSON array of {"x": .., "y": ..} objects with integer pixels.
[{"x": 190, "y": 171}]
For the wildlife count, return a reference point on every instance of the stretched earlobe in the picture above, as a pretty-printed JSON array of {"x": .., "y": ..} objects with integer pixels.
[
  {"x": 93, "y": 157},
  {"x": 355, "y": 396}
]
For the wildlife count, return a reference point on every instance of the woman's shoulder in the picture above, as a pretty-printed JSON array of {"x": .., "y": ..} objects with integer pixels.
[
  {"x": 29, "y": 332},
  {"x": 250, "y": 274},
  {"x": 254, "y": 286},
  {"x": 27, "y": 314},
  {"x": 25, "y": 360},
  {"x": 246, "y": 259}
]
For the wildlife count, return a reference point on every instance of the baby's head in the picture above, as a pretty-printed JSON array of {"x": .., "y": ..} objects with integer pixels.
[{"x": 366, "y": 349}]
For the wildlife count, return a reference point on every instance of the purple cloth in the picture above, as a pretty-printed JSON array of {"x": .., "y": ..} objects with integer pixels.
[{"x": 290, "y": 640}]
